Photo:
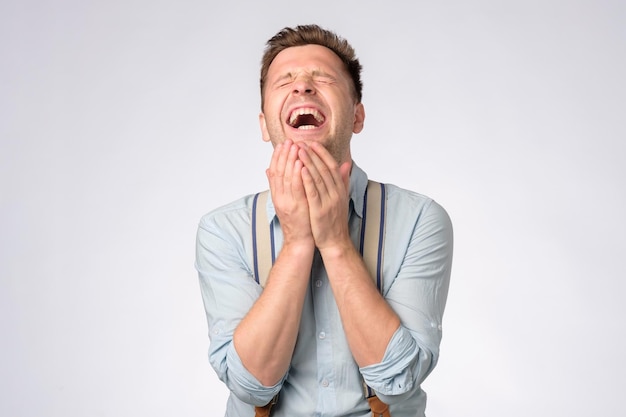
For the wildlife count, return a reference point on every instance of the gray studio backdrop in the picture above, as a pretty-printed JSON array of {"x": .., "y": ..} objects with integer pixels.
[{"x": 122, "y": 122}]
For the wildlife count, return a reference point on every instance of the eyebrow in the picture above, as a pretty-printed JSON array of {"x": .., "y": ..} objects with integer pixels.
[{"x": 320, "y": 72}]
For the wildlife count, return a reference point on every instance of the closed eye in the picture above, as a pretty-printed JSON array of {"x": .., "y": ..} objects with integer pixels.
[
  {"x": 323, "y": 77},
  {"x": 283, "y": 81},
  {"x": 324, "y": 80}
]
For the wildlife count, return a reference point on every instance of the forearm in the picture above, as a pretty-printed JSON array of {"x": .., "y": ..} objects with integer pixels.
[
  {"x": 368, "y": 321},
  {"x": 266, "y": 337}
]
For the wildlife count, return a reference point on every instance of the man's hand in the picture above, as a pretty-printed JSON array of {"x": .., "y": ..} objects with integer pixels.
[
  {"x": 326, "y": 185},
  {"x": 290, "y": 201}
]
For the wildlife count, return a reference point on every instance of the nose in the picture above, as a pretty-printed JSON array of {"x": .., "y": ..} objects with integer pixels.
[{"x": 303, "y": 85}]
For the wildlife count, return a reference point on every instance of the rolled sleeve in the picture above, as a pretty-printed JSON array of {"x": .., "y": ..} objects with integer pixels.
[
  {"x": 228, "y": 292},
  {"x": 244, "y": 385},
  {"x": 418, "y": 295},
  {"x": 394, "y": 374}
]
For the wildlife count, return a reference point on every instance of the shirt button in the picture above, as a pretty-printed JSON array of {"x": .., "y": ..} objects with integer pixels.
[
  {"x": 325, "y": 383},
  {"x": 318, "y": 283},
  {"x": 322, "y": 335}
]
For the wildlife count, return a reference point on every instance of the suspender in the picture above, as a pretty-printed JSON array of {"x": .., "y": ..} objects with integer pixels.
[
  {"x": 373, "y": 231},
  {"x": 262, "y": 239},
  {"x": 372, "y": 241}
]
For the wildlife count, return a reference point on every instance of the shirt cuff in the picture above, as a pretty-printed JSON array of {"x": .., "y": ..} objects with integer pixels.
[
  {"x": 394, "y": 374},
  {"x": 244, "y": 385}
]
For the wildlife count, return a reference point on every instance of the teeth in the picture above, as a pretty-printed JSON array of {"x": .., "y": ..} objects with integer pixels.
[{"x": 305, "y": 110}]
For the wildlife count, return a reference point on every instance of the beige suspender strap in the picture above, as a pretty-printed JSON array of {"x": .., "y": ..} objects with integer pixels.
[
  {"x": 262, "y": 241},
  {"x": 372, "y": 245},
  {"x": 373, "y": 231},
  {"x": 263, "y": 258}
]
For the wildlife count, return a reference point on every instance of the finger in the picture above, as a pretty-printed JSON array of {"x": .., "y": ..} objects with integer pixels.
[
  {"x": 277, "y": 168},
  {"x": 290, "y": 168},
  {"x": 283, "y": 154},
  {"x": 326, "y": 163},
  {"x": 310, "y": 188},
  {"x": 297, "y": 185},
  {"x": 271, "y": 171},
  {"x": 328, "y": 172},
  {"x": 313, "y": 173}
]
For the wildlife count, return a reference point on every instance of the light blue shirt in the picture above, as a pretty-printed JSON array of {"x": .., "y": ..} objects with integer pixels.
[{"x": 323, "y": 379}]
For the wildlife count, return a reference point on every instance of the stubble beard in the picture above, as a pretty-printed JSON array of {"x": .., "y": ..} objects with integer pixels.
[
  {"x": 338, "y": 148},
  {"x": 337, "y": 144}
]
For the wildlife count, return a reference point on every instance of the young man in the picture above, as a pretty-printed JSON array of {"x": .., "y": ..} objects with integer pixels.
[{"x": 320, "y": 329}]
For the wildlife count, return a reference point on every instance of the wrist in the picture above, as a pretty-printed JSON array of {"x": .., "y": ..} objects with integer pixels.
[
  {"x": 337, "y": 250},
  {"x": 295, "y": 247}
]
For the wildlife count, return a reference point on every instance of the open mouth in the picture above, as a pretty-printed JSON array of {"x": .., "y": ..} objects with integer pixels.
[{"x": 306, "y": 118}]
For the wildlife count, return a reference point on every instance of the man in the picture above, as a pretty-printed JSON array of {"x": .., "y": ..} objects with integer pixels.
[{"x": 320, "y": 328}]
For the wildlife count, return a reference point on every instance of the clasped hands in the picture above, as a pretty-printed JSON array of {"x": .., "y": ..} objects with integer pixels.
[{"x": 310, "y": 191}]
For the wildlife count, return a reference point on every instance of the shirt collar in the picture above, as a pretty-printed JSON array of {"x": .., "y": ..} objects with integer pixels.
[{"x": 358, "y": 184}]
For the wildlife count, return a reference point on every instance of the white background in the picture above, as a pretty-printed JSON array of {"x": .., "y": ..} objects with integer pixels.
[{"x": 122, "y": 122}]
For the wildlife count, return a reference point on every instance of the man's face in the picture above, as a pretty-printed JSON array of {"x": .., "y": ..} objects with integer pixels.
[{"x": 309, "y": 97}]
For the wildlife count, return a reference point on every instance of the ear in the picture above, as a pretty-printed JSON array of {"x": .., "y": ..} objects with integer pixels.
[
  {"x": 359, "y": 118},
  {"x": 263, "y": 125}
]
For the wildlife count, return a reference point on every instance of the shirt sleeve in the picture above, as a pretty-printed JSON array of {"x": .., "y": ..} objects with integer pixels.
[
  {"x": 418, "y": 295},
  {"x": 228, "y": 292}
]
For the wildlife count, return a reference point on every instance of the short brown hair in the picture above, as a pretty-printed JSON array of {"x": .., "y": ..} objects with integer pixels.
[{"x": 312, "y": 35}]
